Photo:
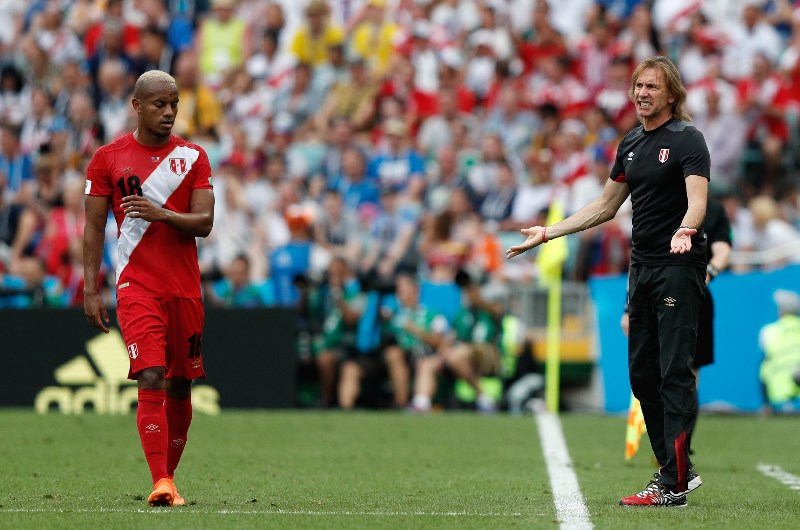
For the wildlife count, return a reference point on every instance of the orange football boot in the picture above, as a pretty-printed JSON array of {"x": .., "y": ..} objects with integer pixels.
[{"x": 163, "y": 493}]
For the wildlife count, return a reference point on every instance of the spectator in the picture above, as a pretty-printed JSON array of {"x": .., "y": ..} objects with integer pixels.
[
  {"x": 294, "y": 259},
  {"x": 10, "y": 214},
  {"x": 340, "y": 333},
  {"x": 334, "y": 71},
  {"x": 354, "y": 186},
  {"x": 311, "y": 42},
  {"x": 336, "y": 227},
  {"x": 724, "y": 132},
  {"x": 470, "y": 351},
  {"x": 14, "y": 96},
  {"x": 484, "y": 171},
  {"x": 237, "y": 289},
  {"x": 751, "y": 36},
  {"x": 201, "y": 111},
  {"x": 353, "y": 99},
  {"x": 114, "y": 99},
  {"x": 776, "y": 240},
  {"x": 441, "y": 252},
  {"x": 443, "y": 178},
  {"x": 374, "y": 38},
  {"x": 38, "y": 124},
  {"x": 111, "y": 48},
  {"x": 399, "y": 162},
  {"x": 541, "y": 39},
  {"x": 480, "y": 67},
  {"x": 390, "y": 241},
  {"x": 554, "y": 84},
  {"x": 514, "y": 124},
  {"x": 29, "y": 287},
  {"x": 93, "y": 36},
  {"x": 497, "y": 205},
  {"x": 297, "y": 99},
  {"x": 221, "y": 42},
  {"x": 54, "y": 38},
  {"x": 84, "y": 130},
  {"x": 157, "y": 53},
  {"x": 418, "y": 333},
  {"x": 16, "y": 166},
  {"x": 763, "y": 99},
  {"x": 780, "y": 342},
  {"x": 73, "y": 79},
  {"x": 269, "y": 64}
]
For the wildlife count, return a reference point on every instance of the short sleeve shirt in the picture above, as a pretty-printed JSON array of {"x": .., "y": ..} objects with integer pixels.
[
  {"x": 655, "y": 165},
  {"x": 155, "y": 260}
]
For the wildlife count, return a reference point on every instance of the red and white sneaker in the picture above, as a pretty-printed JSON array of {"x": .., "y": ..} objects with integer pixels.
[{"x": 655, "y": 494}]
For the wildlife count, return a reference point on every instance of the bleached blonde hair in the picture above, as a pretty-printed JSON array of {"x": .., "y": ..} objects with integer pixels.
[{"x": 149, "y": 79}]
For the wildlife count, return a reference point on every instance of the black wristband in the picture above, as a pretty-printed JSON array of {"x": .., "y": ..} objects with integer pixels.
[{"x": 712, "y": 271}]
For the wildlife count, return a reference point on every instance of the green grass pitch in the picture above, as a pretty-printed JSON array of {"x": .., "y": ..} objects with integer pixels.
[{"x": 379, "y": 470}]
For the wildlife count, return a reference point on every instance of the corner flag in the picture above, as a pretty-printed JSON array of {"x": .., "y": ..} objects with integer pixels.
[
  {"x": 550, "y": 261},
  {"x": 553, "y": 253},
  {"x": 636, "y": 427}
]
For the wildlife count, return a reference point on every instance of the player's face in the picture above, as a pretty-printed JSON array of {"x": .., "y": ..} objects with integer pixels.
[
  {"x": 652, "y": 98},
  {"x": 157, "y": 110}
]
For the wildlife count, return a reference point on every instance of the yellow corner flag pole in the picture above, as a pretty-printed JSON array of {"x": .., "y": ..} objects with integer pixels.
[
  {"x": 636, "y": 427},
  {"x": 551, "y": 261}
]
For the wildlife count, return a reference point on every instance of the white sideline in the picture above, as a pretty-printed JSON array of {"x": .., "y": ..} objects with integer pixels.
[
  {"x": 571, "y": 509},
  {"x": 778, "y": 473}
]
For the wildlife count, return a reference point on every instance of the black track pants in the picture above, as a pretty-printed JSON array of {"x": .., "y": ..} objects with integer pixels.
[{"x": 664, "y": 304}]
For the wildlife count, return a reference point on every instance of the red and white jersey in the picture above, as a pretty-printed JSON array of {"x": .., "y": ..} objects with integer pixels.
[{"x": 155, "y": 260}]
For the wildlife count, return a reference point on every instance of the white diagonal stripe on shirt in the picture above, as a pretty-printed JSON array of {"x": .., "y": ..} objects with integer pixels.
[{"x": 158, "y": 187}]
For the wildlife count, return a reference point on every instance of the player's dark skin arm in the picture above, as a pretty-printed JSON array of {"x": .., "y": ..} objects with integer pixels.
[
  {"x": 93, "y": 240},
  {"x": 197, "y": 222}
]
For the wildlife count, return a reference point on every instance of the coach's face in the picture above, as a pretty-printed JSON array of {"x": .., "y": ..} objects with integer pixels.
[
  {"x": 652, "y": 98},
  {"x": 157, "y": 109}
]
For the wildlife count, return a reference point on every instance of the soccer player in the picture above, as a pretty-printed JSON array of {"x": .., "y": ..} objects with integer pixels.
[
  {"x": 159, "y": 188},
  {"x": 664, "y": 165}
]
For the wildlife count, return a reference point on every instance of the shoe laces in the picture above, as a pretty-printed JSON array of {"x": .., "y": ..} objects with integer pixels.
[{"x": 652, "y": 489}]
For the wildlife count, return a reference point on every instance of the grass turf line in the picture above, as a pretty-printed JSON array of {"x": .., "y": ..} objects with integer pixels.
[
  {"x": 281, "y": 469},
  {"x": 378, "y": 470}
]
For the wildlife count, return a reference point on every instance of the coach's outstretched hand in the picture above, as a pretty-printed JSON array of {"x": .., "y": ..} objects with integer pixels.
[
  {"x": 535, "y": 238},
  {"x": 682, "y": 240}
]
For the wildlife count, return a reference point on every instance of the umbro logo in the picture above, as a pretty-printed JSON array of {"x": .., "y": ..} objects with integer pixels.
[
  {"x": 177, "y": 442},
  {"x": 152, "y": 427},
  {"x": 630, "y": 155},
  {"x": 669, "y": 301}
]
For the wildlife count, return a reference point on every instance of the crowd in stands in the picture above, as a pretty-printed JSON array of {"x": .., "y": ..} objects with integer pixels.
[{"x": 373, "y": 146}]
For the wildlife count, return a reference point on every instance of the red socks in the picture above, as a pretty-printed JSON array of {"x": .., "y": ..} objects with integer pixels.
[
  {"x": 179, "y": 417},
  {"x": 151, "y": 420}
]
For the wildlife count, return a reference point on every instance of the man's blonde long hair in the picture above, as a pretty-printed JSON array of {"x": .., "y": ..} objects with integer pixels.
[{"x": 674, "y": 84}]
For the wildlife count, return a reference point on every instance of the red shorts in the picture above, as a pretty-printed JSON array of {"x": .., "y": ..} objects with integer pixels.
[{"x": 164, "y": 332}]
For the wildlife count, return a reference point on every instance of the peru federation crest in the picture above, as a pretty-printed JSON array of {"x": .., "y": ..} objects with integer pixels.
[
  {"x": 178, "y": 165},
  {"x": 663, "y": 155}
]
